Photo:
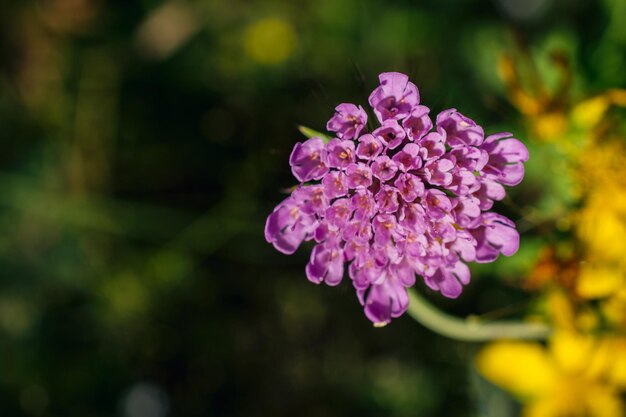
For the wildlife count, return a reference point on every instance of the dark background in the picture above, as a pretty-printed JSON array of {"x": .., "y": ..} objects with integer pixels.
[{"x": 144, "y": 144}]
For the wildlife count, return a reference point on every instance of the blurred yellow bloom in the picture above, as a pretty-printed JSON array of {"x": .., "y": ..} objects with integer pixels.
[
  {"x": 590, "y": 112},
  {"x": 614, "y": 309},
  {"x": 574, "y": 376},
  {"x": 545, "y": 113},
  {"x": 599, "y": 168},
  {"x": 522, "y": 368},
  {"x": 550, "y": 113},
  {"x": 597, "y": 281},
  {"x": 550, "y": 126},
  {"x": 269, "y": 41},
  {"x": 580, "y": 131},
  {"x": 601, "y": 221},
  {"x": 565, "y": 314}
]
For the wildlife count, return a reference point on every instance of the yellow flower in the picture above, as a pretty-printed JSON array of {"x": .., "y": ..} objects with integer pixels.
[
  {"x": 590, "y": 112},
  {"x": 550, "y": 126},
  {"x": 601, "y": 221},
  {"x": 575, "y": 376},
  {"x": 614, "y": 309},
  {"x": 597, "y": 280}
]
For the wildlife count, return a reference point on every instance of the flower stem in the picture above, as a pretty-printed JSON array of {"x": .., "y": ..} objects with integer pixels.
[{"x": 471, "y": 330}]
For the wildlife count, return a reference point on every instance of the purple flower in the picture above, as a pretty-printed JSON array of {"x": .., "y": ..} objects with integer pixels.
[
  {"x": 306, "y": 160},
  {"x": 338, "y": 215},
  {"x": 432, "y": 146},
  {"x": 335, "y": 184},
  {"x": 288, "y": 226},
  {"x": 387, "y": 199},
  {"x": 439, "y": 172},
  {"x": 310, "y": 199},
  {"x": 413, "y": 219},
  {"x": 463, "y": 182},
  {"x": 395, "y": 98},
  {"x": 326, "y": 264},
  {"x": 506, "y": 157},
  {"x": 358, "y": 231},
  {"x": 385, "y": 301},
  {"x": 418, "y": 124},
  {"x": 408, "y": 158},
  {"x": 384, "y": 225},
  {"x": 495, "y": 234},
  {"x": 409, "y": 186},
  {"x": 363, "y": 204},
  {"x": 408, "y": 199},
  {"x": 368, "y": 268},
  {"x": 384, "y": 168},
  {"x": 470, "y": 158},
  {"x": 348, "y": 121},
  {"x": 460, "y": 130},
  {"x": 466, "y": 210},
  {"x": 369, "y": 147},
  {"x": 390, "y": 133},
  {"x": 449, "y": 280},
  {"x": 359, "y": 175},
  {"x": 488, "y": 192},
  {"x": 436, "y": 203},
  {"x": 339, "y": 153}
]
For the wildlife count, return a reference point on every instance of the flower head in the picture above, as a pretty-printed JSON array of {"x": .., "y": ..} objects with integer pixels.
[{"x": 407, "y": 199}]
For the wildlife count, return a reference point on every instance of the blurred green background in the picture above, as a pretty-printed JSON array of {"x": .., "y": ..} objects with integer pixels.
[{"x": 144, "y": 143}]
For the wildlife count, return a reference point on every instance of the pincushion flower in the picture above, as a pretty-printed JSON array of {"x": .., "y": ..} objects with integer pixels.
[{"x": 410, "y": 198}]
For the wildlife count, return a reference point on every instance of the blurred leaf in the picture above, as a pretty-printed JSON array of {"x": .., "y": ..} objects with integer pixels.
[{"x": 310, "y": 133}]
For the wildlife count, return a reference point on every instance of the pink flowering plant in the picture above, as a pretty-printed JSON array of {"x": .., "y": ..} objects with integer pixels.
[{"x": 409, "y": 198}]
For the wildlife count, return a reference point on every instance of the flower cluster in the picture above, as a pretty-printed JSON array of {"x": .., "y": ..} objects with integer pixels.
[{"x": 410, "y": 197}]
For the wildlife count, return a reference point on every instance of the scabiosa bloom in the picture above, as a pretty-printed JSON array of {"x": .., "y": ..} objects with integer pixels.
[{"x": 410, "y": 198}]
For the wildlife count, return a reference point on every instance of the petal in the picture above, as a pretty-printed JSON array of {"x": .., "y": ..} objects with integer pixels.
[
  {"x": 465, "y": 248},
  {"x": 503, "y": 237},
  {"x": 512, "y": 150},
  {"x": 306, "y": 160},
  {"x": 522, "y": 368},
  {"x": 462, "y": 272},
  {"x": 493, "y": 190},
  {"x": 512, "y": 174},
  {"x": 444, "y": 282},
  {"x": 385, "y": 301},
  {"x": 486, "y": 254},
  {"x": 497, "y": 136},
  {"x": 280, "y": 233},
  {"x": 404, "y": 273},
  {"x": 393, "y": 83},
  {"x": 326, "y": 264},
  {"x": 317, "y": 266},
  {"x": 335, "y": 269}
]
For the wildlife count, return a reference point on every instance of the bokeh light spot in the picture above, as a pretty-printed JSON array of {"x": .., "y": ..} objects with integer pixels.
[
  {"x": 269, "y": 41},
  {"x": 145, "y": 400}
]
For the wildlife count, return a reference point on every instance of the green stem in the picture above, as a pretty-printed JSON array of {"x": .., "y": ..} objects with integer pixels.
[{"x": 471, "y": 329}]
